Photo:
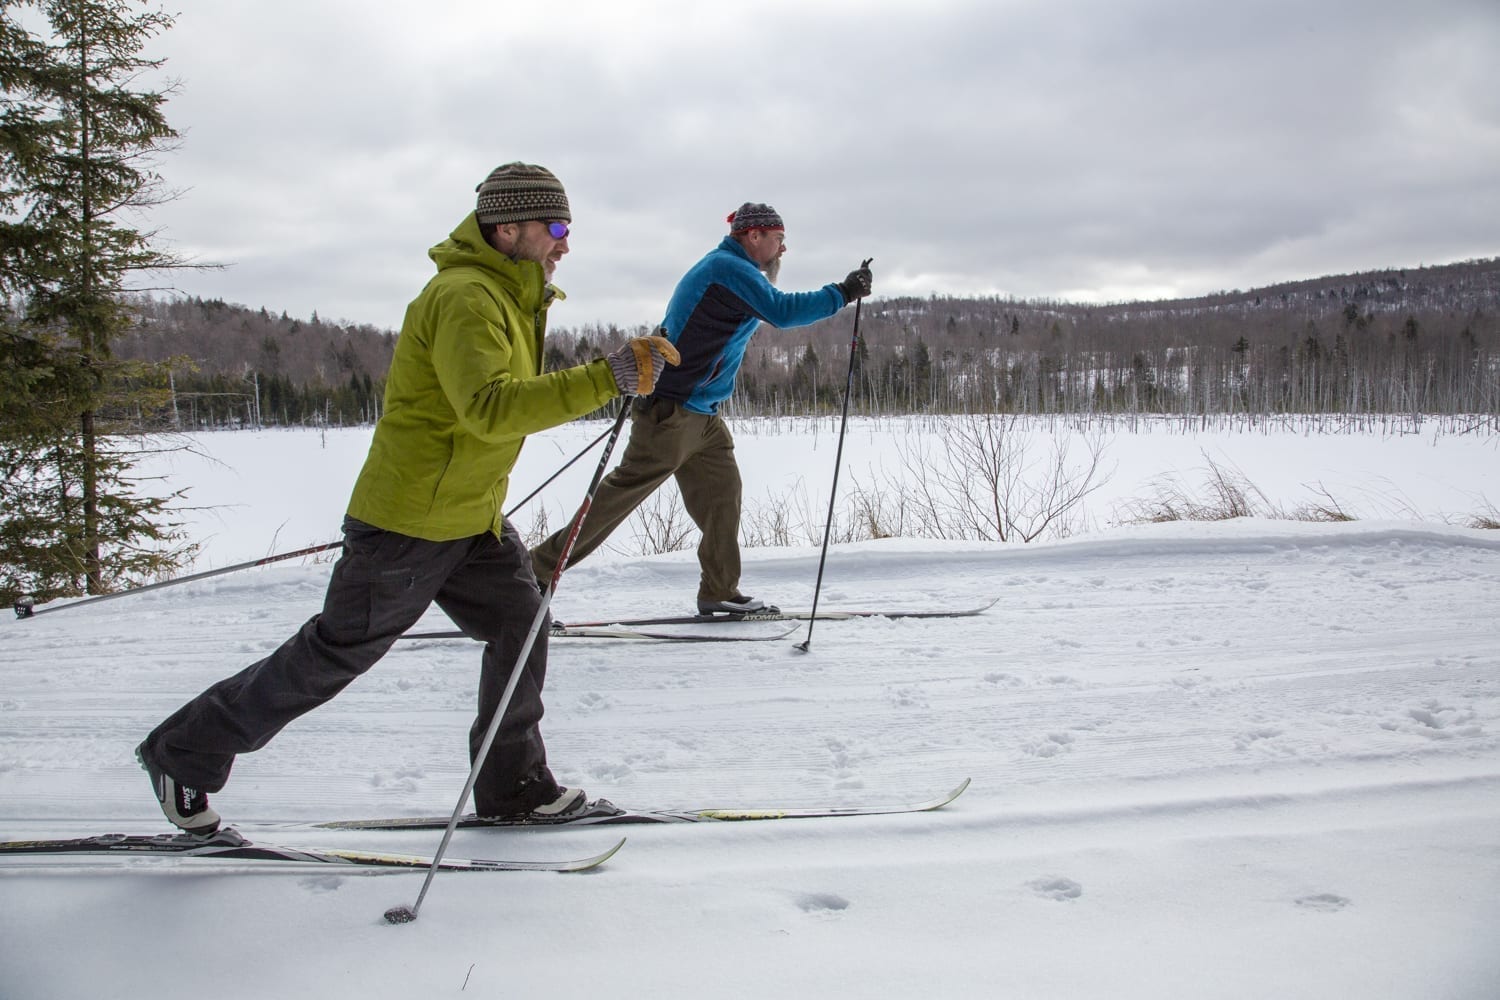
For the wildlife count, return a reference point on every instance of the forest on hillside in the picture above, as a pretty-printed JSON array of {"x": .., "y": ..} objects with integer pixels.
[{"x": 1414, "y": 341}]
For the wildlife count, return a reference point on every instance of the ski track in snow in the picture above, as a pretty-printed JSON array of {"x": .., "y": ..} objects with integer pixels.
[{"x": 1114, "y": 663}]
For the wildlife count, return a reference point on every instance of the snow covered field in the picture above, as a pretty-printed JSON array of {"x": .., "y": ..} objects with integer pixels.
[{"x": 1243, "y": 759}]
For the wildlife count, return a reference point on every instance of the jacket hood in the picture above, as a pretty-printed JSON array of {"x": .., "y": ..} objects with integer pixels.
[{"x": 466, "y": 247}]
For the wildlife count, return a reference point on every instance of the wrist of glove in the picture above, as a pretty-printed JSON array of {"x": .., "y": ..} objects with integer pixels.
[
  {"x": 857, "y": 285},
  {"x": 639, "y": 362}
]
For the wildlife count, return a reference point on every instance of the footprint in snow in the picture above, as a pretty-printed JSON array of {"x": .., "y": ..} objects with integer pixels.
[
  {"x": 1004, "y": 680},
  {"x": 1053, "y": 887},
  {"x": 821, "y": 903},
  {"x": 401, "y": 781},
  {"x": 1050, "y": 746},
  {"x": 592, "y": 702},
  {"x": 1436, "y": 722},
  {"x": 1323, "y": 902}
]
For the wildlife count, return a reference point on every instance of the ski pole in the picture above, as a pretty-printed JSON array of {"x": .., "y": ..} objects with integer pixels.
[
  {"x": 25, "y": 607},
  {"x": 838, "y": 460},
  {"x": 406, "y": 914},
  {"x": 586, "y": 449}
]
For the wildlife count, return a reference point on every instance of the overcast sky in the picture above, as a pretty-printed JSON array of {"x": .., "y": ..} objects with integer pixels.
[{"x": 1088, "y": 151}]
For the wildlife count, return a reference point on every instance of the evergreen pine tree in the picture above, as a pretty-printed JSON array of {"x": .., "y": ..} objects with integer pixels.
[{"x": 75, "y": 153}]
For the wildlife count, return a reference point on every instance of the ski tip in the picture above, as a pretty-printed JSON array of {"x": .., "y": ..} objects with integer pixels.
[
  {"x": 590, "y": 864},
  {"x": 601, "y": 858},
  {"x": 944, "y": 800}
]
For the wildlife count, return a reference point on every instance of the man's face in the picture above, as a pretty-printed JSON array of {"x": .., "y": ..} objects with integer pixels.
[
  {"x": 534, "y": 241},
  {"x": 765, "y": 245}
]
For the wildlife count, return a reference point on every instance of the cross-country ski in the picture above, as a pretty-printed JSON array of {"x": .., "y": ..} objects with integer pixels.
[
  {"x": 229, "y": 845},
  {"x": 639, "y": 628},
  {"x": 602, "y": 812},
  {"x": 626, "y": 632},
  {"x": 794, "y": 615}
]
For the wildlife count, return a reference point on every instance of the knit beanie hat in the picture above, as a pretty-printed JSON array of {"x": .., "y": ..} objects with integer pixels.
[
  {"x": 521, "y": 192},
  {"x": 753, "y": 215}
]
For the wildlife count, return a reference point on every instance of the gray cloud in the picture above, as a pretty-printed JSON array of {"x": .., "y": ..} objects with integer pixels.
[{"x": 1094, "y": 150}]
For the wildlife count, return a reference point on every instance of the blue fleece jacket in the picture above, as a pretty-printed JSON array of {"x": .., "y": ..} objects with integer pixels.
[{"x": 715, "y": 309}]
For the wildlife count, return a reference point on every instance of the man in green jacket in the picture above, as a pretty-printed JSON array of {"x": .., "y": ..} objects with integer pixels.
[{"x": 424, "y": 522}]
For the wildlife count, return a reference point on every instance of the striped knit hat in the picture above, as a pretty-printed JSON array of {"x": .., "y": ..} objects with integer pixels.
[
  {"x": 521, "y": 192},
  {"x": 753, "y": 215}
]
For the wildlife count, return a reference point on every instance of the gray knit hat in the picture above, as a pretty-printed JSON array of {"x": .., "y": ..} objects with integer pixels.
[
  {"x": 521, "y": 192},
  {"x": 753, "y": 215}
]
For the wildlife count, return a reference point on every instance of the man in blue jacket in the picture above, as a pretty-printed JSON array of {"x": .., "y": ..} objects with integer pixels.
[{"x": 676, "y": 431}]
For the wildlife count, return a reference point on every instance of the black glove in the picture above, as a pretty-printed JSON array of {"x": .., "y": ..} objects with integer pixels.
[{"x": 857, "y": 285}]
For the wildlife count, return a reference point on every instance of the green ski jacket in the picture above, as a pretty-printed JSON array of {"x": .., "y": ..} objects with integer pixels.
[{"x": 464, "y": 389}]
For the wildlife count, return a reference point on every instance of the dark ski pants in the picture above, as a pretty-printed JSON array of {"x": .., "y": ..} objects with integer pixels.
[
  {"x": 381, "y": 585},
  {"x": 667, "y": 440}
]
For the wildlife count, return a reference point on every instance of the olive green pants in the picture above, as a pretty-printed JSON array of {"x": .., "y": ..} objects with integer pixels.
[{"x": 667, "y": 440}]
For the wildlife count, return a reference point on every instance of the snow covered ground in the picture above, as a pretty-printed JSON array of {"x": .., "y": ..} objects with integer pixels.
[{"x": 1244, "y": 759}]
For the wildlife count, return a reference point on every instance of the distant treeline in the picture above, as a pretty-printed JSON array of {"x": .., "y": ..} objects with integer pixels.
[
  {"x": 249, "y": 367},
  {"x": 1418, "y": 340}
]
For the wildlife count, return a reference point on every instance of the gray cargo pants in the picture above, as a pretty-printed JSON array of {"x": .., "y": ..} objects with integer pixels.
[{"x": 381, "y": 585}]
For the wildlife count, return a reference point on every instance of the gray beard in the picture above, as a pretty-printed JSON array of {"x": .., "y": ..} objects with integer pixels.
[{"x": 772, "y": 270}]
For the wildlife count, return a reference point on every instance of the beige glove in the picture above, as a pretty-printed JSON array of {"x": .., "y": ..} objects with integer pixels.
[{"x": 639, "y": 362}]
